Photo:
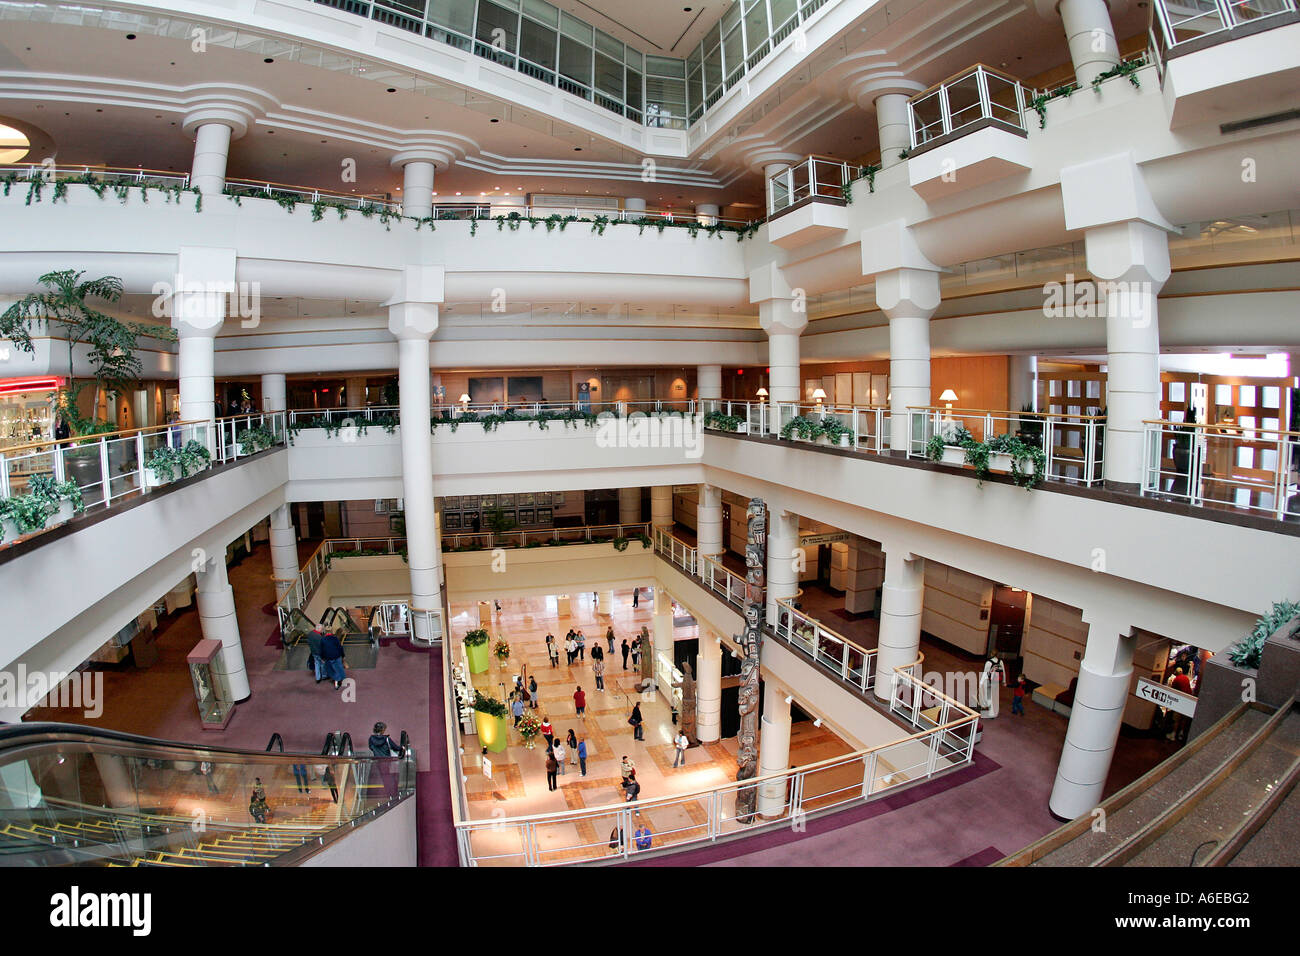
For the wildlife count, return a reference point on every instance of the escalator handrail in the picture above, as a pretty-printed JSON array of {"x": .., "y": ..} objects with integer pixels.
[
  {"x": 345, "y": 741},
  {"x": 329, "y": 750},
  {"x": 275, "y": 740},
  {"x": 26, "y": 734}
]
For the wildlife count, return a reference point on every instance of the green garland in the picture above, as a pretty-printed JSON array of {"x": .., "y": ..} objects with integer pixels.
[
  {"x": 1247, "y": 652},
  {"x": 257, "y": 439}
]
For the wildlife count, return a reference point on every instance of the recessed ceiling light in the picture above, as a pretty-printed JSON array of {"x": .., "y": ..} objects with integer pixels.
[
  {"x": 494, "y": 121},
  {"x": 577, "y": 149},
  {"x": 392, "y": 89},
  {"x": 130, "y": 36},
  {"x": 269, "y": 60}
]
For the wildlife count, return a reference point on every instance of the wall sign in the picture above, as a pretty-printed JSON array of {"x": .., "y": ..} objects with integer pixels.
[
  {"x": 1163, "y": 696},
  {"x": 809, "y": 539}
]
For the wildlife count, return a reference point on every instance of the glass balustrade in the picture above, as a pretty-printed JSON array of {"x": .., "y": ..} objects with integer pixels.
[{"x": 971, "y": 100}]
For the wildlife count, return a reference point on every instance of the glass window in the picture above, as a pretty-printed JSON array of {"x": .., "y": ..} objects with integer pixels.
[
  {"x": 575, "y": 60},
  {"x": 668, "y": 95},
  {"x": 542, "y": 12},
  {"x": 607, "y": 45},
  {"x": 733, "y": 52},
  {"x": 609, "y": 76},
  {"x": 498, "y": 27},
  {"x": 633, "y": 95},
  {"x": 713, "y": 70},
  {"x": 634, "y": 59},
  {"x": 731, "y": 17},
  {"x": 537, "y": 43},
  {"x": 571, "y": 26},
  {"x": 756, "y": 32},
  {"x": 782, "y": 10},
  {"x": 455, "y": 15}
]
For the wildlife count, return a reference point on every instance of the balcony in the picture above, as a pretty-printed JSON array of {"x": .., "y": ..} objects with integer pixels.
[
  {"x": 967, "y": 131},
  {"x": 807, "y": 201},
  {"x": 1224, "y": 56},
  {"x": 1229, "y": 467}
]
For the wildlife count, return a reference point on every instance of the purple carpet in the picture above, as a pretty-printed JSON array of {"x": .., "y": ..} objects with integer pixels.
[
  {"x": 779, "y": 836},
  {"x": 986, "y": 857},
  {"x": 437, "y": 839}
]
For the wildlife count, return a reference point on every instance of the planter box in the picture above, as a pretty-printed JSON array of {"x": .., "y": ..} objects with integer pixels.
[
  {"x": 1221, "y": 688},
  {"x": 493, "y": 734},
  {"x": 742, "y": 428},
  {"x": 953, "y": 455},
  {"x": 9, "y": 527},
  {"x": 153, "y": 480},
  {"x": 1001, "y": 461},
  {"x": 479, "y": 656}
]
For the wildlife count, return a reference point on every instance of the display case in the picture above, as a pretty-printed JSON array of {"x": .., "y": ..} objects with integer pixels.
[
  {"x": 464, "y": 700},
  {"x": 205, "y": 665}
]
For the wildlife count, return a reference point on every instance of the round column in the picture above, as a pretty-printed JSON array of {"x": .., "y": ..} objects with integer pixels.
[
  {"x": 219, "y": 623},
  {"x": 417, "y": 482},
  {"x": 1095, "y": 717},
  {"x": 708, "y": 689},
  {"x": 211, "y": 150},
  {"x": 606, "y": 602},
  {"x": 629, "y": 506},
  {"x": 274, "y": 392},
  {"x": 708, "y": 379},
  {"x": 1022, "y": 382},
  {"x": 197, "y": 381},
  {"x": 773, "y": 750},
  {"x": 707, "y": 214},
  {"x": 782, "y": 578},
  {"x": 784, "y": 383},
  {"x": 634, "y": 206},
  {"x": 284, "y": 550},
  {"x": 891, "y": 122},
  {"x": 708, "y": 521},
  {"x": 661, "y": 506},
  {"x": 417, "y": 189},
  {"x": 662, "y": 631},
  {"x": 1091, "y": 38},
  {"x": 901, "y": 601},
  {"x": 908, "y": 297}
]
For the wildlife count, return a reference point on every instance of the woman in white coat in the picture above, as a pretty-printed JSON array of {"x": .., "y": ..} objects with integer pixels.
[{"x": 995, "y": 674}]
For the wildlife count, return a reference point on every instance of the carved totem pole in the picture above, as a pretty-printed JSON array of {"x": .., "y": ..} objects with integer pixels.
[{"x": 751, "y": 640}]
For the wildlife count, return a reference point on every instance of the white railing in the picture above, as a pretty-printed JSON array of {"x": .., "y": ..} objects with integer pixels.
[
  {"x": 970, "y": 97},
  {"x": 580, "y": 534},
  {"x": 816, "y": 177},
  {"x": 1228, "y": 465},
  {"x": 111, "y": 467},
  {"x": 868, "y": 425},
  {"x": 264, "y": 189},
  {"x": 945, "y": 740},
  {"x": 850, "y": 662},
  {"x": 26, "y": 172},
  {"x": 675, "y": 551},
  {"x": 1181, "y": 22},
  {"x": 1073, "y": 445},
  {"x": 523, "y": 411},
  {"x": 491, "y": 213}
]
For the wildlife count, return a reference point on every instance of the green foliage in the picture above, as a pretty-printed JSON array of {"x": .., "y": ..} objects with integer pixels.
[
  {"x": 488, "y": 705},
  {"x": 1128, "y": 68},
  {"x": 723, "y": 422},
  {"x": 978, "y": 454},
  {"x": 833, "y": 430},
  {"x": 1247, "y": 652},
  {"x": 253, "y": 440},
  {"x": 333, "y": 425},
  {"x": 803, "y": 426},
  {"x": 30, "y": 511},
  {"x": 166, "y": 461},
  {"x": 476, "y": 637},
  {"x": 498, "y": 522},
  {"x": 1040, "y": 101},
  {"x": 869, "y": 174},
  {"x": 620, "y": 544}
]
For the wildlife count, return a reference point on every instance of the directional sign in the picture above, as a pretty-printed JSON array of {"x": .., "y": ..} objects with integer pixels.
[
  {"x": 1163, "y": 696},
  {"x": 487, "y": 768}
]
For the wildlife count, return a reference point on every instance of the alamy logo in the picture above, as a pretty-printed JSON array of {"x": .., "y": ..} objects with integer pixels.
[
  {"x": 640, "y": 430},
  {"x": 75, "y": 909},
  {"x": 1087, "y": 299},
  {"x": 22, "y": 690}
]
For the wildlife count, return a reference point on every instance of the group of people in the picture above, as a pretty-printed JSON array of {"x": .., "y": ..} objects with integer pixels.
[
  {"x": 573, "y": 747},
  {"x": 327, "y": 658}
]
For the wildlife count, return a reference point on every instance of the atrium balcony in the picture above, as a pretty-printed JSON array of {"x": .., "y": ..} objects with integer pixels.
[
  {"x": 1226, "y": 55},
  {"x": 808, "y": 201},
  {"x": 967, "y": 131}
]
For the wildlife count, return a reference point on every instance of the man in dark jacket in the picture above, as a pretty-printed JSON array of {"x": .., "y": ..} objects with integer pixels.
[
  {"x": 314, "y": 659},
  {"x": 382, "y": 745},
  {"x": 331, "y": 656}
]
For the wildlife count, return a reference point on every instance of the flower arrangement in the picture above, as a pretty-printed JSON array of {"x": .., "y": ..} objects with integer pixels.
[
  {"x": 501, "y": 650},
  {"x": 530, "y": 728}
]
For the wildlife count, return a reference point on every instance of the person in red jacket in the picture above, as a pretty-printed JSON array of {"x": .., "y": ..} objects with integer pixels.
[
  {"x": 548, "y": 731},
  {"x": 580, "y": 700}
]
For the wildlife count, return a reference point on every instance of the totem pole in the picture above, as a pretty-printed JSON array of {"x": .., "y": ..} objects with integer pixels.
[{"x": 750, "y": 641}]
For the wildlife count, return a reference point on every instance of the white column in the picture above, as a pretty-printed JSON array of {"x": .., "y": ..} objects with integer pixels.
[
  {"x": 1022, "y": 382},
  {"x": 708, "y": 378},
  {"x": 284, "y": 550},
  {"x": 634, "y": 205},
  {"x": 773, "y": 169},
  {"x": 1095, "y": 717},
  {"x": 607, "y": 603},
  {"x": 1131, "y": 260},
  {"x": 783, "y": 315},
  {"x": 661, "y": 506},
  {"x": 413, "y": 318},
  {"x": 708, "y": 521},
  {"x": 707, "y": 214},
  {"x": 785, "y": 384},
  {"x": 211, "y": 150},
  {"x": 219, "y": 623},
  {"x": 782, "y": 541},
  {"x": 891, "y": 122},
  {"x": 908, "y": 297},
  {"x": 417, "y": 189},
  {"x": 661, "y": 629},
  {"x": 708, "y": 689},
  {"x": 274, "y": 392},
  {"x": 629, "y": 506},
  {"x": 773, "y": 750},
  {"x": 204, "y": 277},
  {"x": 900, "y": 617},
  {"x": 1091, "y": 37},
  {"x": 197, "y": 380}
]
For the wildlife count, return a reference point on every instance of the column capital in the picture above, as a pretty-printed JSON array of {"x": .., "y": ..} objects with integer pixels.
[
  {"x": 867, "y": 75},
  {"x": 413, "y": 307},
  {"x": 1051, "y": 9},
  {"x": 238, "y": 107},
  {"x": 205, "y": 275},
  {"x": 781, "y": 309},
  {"x": 440, "y": 148},
  {"x": 908, "y": 292},
  {"x": 1128, "y": 251},
  {"x": 756, "y": 152},
  {"x": 1109, "y": 190},
  {"x": 892, "y": 246}
]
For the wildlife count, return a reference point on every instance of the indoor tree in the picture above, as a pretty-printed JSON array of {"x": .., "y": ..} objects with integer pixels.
[{"x": 112, "y": 341}]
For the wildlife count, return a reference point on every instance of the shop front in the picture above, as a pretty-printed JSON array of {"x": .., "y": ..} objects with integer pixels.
[{"x": 27, "y": 410}]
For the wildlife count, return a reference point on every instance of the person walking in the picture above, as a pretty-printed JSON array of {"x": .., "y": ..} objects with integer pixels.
[
  {"x": 637, "y": 722},
  {"x": 517, "y": 708},
  {"x": 548, "y": 731},
  {"x": 571, "y": 647},
  {"x": 631, "y": 788},
  {"x": 609, "y": 637},
  {"x": 314, "y": 661},
  {"x": 300, "y": 777},
  {"x": 598, "y": 668},
  {"x": 626, "y": 649},
  {"x": 532, "y": 692},
  {"x": 580, "y": 701},
  {"x": 333, "y": 659},
  {"x": 571, "y": 746},
  {"x": 682, "y": 743},
  {"x": 553, "y": 650},
  {"x": 627, "y": 767},
  {"x": 582, "y": 645},
  {"x": 208, "y": 770},
  {"x": 636, "y": 597},
  {"x": 327, "y": 778},
  {"x": 1018, "y": 696},
  {"x": 582, "y": 754},
  {"x": 558, "y": 753},
  {"x": 552, "y": 768}
]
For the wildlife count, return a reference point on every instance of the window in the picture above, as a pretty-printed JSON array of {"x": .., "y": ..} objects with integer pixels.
[
  {"x": 498, "y": 27},
  {"x": 537, "y": 43},
  {"x": 455, "y": 15},
  {"x": 575, "y": 60}
]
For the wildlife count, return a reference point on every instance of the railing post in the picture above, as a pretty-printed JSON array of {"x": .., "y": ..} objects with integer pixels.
[
  {"x": 104, "y": 476},
  {"x": 4, "y": 476},
  {"x": 868, "y": 773},
  {"x": 944, "y": 116}
]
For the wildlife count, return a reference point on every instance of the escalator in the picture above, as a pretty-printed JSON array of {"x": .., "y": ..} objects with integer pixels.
[
  {"x": 72, "y": 795},
  {"x": 360, "y": 645}
]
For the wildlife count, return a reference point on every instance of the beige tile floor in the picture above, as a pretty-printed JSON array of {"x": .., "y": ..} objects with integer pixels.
[{"x": 518, "y": 784}]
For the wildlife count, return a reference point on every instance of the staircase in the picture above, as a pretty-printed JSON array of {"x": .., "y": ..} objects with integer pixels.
[{"x": 1225, "y": 797}]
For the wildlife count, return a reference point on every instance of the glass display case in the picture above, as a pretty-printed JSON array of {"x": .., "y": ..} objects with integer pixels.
[{"x": 205, "y": 664}]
